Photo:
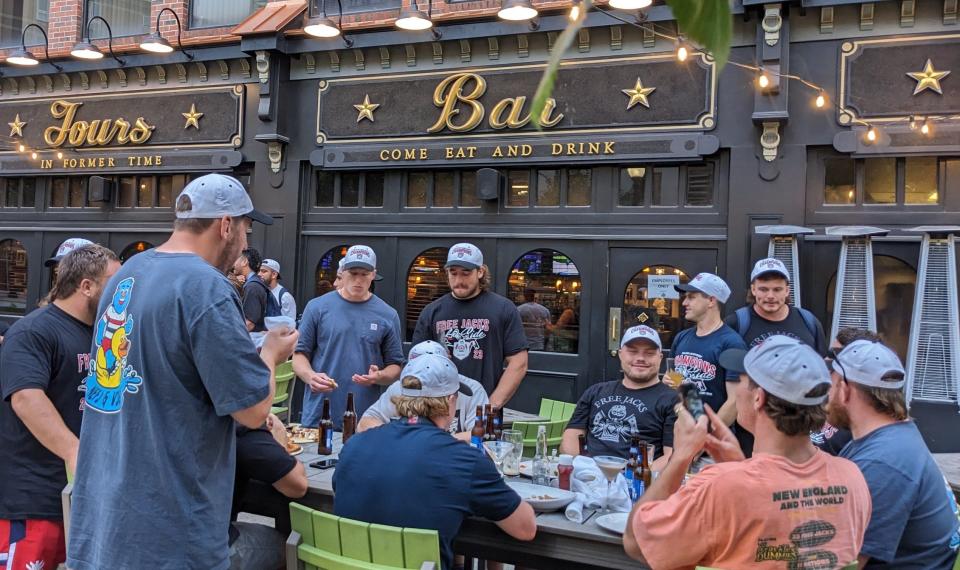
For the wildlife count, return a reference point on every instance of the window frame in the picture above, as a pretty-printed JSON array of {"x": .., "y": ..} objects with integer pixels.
[
  {"x": 188, "y": 25},
  {"x": 563, "y": 178},
  {"x": 20, "y": 182},
  {"x": 683, "y": 185},
  {"x": 85, "y": 12},
  {"x": 431, "y": 191},
  {"x": 338, "y": 186}
]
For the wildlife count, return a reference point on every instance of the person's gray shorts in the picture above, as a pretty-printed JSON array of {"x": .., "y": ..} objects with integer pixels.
[{"x": 258, "y": 547}]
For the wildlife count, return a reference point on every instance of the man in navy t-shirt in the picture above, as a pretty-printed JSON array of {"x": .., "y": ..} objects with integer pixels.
[
  {"x": 913, "y": 524},
  {"x": 426, "y": 478},
  {"x": 696, "y": 351}
]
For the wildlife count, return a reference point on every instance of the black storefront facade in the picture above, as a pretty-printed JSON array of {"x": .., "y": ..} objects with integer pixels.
[{"x": 647, "y": 172}]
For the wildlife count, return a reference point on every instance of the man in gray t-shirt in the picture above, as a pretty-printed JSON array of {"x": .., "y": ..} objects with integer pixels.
[{"x": 172, "y": 368}]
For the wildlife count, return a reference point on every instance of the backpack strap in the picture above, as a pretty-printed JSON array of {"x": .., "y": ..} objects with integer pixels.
[
  {"x": 810, "y": 321},
  {"x": 743, "y": 320}
]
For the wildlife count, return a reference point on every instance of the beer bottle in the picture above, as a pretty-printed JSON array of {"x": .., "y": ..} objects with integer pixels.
[
  {"x": 498, "y": 423},
  {"x": 349, "y": 419},
  {"x": 583, "y": 444},
  {"x": 631, "y": 471},
  {"x": 646, "y": 473},
  {"x": 488, "y": 436},
  {"x": 325, "y": 431},
  {"x": 476, "y": 435}
]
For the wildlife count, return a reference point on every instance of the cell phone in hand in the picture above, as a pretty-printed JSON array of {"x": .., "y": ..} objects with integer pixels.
[
  {"x": 692, "y": 401},
  {"x": 324, "y": 464}
]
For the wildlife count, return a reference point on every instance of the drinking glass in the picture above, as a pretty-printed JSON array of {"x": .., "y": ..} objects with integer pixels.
[
  {"x": 611, "y": 467},
  {"x": 497, "y": 451},
  {"x": 511, "y": 463},
  {"x": 671, "y": 377}
]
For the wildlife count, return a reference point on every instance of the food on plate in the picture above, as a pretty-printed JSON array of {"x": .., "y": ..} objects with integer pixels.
[
  {"x": 293, "y": 448},
  {"x": 300, "y": 434}
]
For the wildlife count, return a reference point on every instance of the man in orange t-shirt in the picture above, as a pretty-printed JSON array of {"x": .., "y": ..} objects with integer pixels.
[{"x": 790, "y": 505}]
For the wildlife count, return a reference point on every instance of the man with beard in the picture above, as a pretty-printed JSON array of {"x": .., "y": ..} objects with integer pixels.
[
  {"x": 481, "y": 329},
  {"x": 608, "y": 413},
  {"x": 696, "y": 351},
  {"x": 172, "y": 372},
  {"x": 913, "y": 523},
  {"x": 45, "y": 360}
]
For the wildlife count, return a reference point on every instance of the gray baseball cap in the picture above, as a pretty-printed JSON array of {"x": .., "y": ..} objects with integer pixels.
[
  {"x": 272, "y": 265},
  {"x": 65, "y": 248},
  {"x": 427, "y": 347},
  {"x": 360, "y": 257},
  {"x": 867, "y": 362},
  {"x": 784, "y": 367},
  {"x": 708, "y": 284},
  {"x": 438, "y": 377},
  {"x": 769, "y": 265},
  {"x": 464, "y": 255},
  {"x": 641, "y": 332},
  {"x": 217, "y": 195}
]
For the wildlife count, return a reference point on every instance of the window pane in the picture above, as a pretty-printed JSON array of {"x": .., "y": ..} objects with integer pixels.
[
  {"x": 700, "y": 185},
  {"x": 894, "y": 283},
  {"x": 443, "y": 190},
  {"x": 545, "y": 285},
  {"x": 468, "y": 190},
  {"x": 579, "y": 187},
  {"x": 127, "y": 190},
  {"x": 211, "y": 13},
  {"x": 658, "y": 308},
  {"x": 28, "y": 192},
  {"x": 165, "y": 191},
  {"x": 839, "y": 184},
  {"x": 518, "y": 190},
  {"x": 145, "y": 191},
  {"x": 349, "y": 190},
  {"x": 12, "y": 193},
  {"x": 58, "y": 193},
  {"x": 327, "y": 269},
  {"x": 632, "y": 180},
  {"x": 78, "y": 192},
  {"x": 880, "y": 181},
  {"x": 418, "y": 184},
  {"x": 921, "y": 180},
  {"x": 13, "y": 277},
  {"x": 133, "y": 249},
  {"x": 548, "y": 188},
  {"x": 16, "y": 15},
  {"x": 126, "y": 17},
  {"x": 324, "y": 197},
  {"x": 426, "y": 281},
  {"x": 373, "y": 191},
  {"x": 666, "y": 187}
]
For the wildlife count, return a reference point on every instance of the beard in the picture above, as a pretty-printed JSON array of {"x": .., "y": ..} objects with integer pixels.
[
  {"x": 93, "y": 303},
  {"x": 837, "y": 416},
  {"x": 231, "y": 251},
  {"x": 642, "y": 378},
  {"x": 466, "y": 293}
]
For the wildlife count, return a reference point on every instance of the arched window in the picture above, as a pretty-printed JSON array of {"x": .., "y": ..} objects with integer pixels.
[
  {"x": 327, "y": 268},
  {"x": 651, "y": 300},
  {"x": 13, "y": 277},
  {"x": 426, "y": 281},
  {"x": 133, "y": 249},
  {"x": 545, "y": 284},
  {"x": 894, "y": 284}
]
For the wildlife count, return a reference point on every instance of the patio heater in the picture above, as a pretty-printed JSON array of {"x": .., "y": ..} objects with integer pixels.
[
  {"x": 784, "y": 246},
  {"x": 855, "y": 303}
]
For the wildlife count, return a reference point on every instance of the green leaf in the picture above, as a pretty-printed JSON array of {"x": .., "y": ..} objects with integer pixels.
[
  {"x": 707, "y": 23},
  {"x": 549, "y": 77}
]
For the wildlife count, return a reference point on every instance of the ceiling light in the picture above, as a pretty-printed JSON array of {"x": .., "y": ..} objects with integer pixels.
[
  {"x": 22, "y": 57},
  {"x": 322, "y": 28},
  {"x": 413, "y": 18},
  {"x": 517, "y": 10},
  {"x": 86, "y": 50},
  {"x": 155, "y": 43}
]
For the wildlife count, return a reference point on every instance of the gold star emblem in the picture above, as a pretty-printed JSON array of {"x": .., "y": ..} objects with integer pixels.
[
  {"x": 16, "y": 127},
  {"x": 193, "y": 118},
  {"x": 366, "y": 109},
  {"x": 929, "y": 78},
  {"x": 638, "y": 95}
]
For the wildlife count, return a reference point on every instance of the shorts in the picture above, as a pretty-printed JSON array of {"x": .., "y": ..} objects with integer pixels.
[{"x": 31, "y": 544}]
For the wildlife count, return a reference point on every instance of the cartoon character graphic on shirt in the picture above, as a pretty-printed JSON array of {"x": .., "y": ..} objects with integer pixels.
[
  {"x": 110, "y": 375},
  {"x": 615, "y": 425},
  {"x": 695, "y": 370},
  {"x": 464, "y": 342}
]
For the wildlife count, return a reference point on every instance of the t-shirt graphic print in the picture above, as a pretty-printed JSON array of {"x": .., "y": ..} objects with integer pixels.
[
  {"x": 463, "y": 337},
  {"x": 110, "y": 376}
]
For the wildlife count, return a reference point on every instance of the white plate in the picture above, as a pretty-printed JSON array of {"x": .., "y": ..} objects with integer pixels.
[
  {"x": 526, "y": 469},
  {"x": 542, "y": 498},
  {"x": 614, "y": 522}
]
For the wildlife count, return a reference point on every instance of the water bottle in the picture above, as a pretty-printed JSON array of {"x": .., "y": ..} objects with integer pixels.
[{"x": 540, "y": 459}]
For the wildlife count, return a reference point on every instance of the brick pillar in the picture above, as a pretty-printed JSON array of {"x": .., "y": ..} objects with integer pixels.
[
  {"x": 168, "y": 26},
  {"x": 65, "y": 25}
]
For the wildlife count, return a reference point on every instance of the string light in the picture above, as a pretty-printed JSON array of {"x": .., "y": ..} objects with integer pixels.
[
  {"x": 913, "y": 122},
  {"x": 821, "y": 100},
  {"x": 59, "y": 154},
  {"x": 872, "y": 134},
  {"x": 574, "y": 13},
  {"x": 763, "y": 80},
  {"x": 682, "y": 52},
  {"x": 925, "y": 129},
  {"x": 21, "y": 148},
  {"x": 33, "y": 155}
]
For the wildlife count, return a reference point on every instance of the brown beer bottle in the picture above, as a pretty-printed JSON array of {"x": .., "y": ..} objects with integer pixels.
[
  {"x": 349, "y": 419},
  {"x": 583, "y": 444},
  {"x": 645, "y": 472},
  {"x": 476, "y": 434},
  {"x": 488, "y": 435},
  {"x": 498, "y": 423},
  {"x": 325, "y": 431}
]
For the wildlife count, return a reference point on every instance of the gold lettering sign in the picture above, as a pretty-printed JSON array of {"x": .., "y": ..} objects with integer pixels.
[
  {"x": 97, "y": 132},
  {"x": 452, "y": 96}
]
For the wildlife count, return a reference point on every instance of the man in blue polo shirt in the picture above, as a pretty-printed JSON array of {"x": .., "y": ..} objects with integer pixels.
[{"x": 413, "y": 473}]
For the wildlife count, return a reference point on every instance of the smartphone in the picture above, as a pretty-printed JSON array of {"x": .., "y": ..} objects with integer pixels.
[
  {"x": 692, "y": 401},
  {"x": 324, "y": 464}
]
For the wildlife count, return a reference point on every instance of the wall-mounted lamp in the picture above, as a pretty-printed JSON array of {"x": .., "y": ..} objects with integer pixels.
[
  {"x": 630, "y": 4},
  {"x": 155, "y": 43},
  {"x": 23, "y": 56},
  {"x": 413, "y": 18},
  {"x": 324, "y": 27},
  {"x": 517, "y": 10},
  {"x": 87, "y": 50}
]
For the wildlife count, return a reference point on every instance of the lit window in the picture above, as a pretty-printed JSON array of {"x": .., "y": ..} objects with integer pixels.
[
  {"x": 654, "y": 302},
  {"x": 426, "y": 281},
  {"x": 545, "y": 285},
  {"x": 13, "y": 278}
]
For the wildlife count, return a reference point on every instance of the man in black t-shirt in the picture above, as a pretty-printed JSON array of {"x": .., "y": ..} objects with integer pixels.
[
  {"x": 45, "y": 358},
  {"x": 262, "y": 455},
  {"x": 610, "y": 412},
  {"x": 255, "y": 293},
  {"x": 480, "y": 328}
]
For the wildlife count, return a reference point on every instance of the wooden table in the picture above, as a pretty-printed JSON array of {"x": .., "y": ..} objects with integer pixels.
[
  {"x": 949, "y": 464},
  {"x": 560, "y": 544}
]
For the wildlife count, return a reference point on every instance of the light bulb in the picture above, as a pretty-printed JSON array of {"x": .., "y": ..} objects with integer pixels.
[
  {"x": 872, "y": 134},
  {"x": 682, "y": 53},
  {"x": 925, "y": 129},
  {"x": 574, "y": 13},
  {"x": 59, "y": 154},
  {"x": 21, "y": 148},
  {"x": 763, "y": 81},
  {"x": 33, "y": 155},
  {"x": 821, "y": 100}
]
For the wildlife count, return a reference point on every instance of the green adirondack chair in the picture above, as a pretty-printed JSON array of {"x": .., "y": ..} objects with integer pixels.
[
  {"x": 285, "y": 379},
  {"x": 556, "y": 409},
  {"x": 323, "y": 541},
  {"x": 529, "y": 430}
]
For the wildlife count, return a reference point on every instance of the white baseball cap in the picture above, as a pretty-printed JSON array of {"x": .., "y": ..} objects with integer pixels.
[
  {"x": 427, "y": 347},
  {"x": 708, "y": 284},
  {"x": 641, "y": 332},
  {"x": 272, "y": 265},
  {"x": 867, "y": 362},
  {"x": 769, "y": 265},
  {"x": 784, "y": 367},
  {"x": 437, "y": 375},
  {"x": 217, "y": 195},
  {"x": 464, "y": 255},
  {"x": 65, "y": 248},
  {"x": 361, "y": 257}
]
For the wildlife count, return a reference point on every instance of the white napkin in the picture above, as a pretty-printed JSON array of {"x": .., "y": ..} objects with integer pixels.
[{"x": 590, "y": 486}]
